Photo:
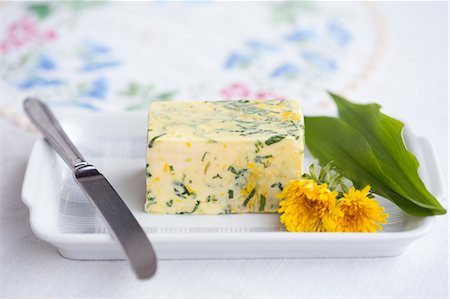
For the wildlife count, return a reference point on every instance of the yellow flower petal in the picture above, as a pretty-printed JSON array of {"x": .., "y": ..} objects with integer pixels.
[
  {"x": 308, "y": 207},
  {"x": 359, "y": 212}
]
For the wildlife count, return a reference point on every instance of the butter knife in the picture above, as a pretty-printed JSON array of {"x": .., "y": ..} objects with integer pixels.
[{"x": 117, "y": 216}]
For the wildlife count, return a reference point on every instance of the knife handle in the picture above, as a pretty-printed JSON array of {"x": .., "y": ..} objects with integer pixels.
[{"x": 45, "y": 121}]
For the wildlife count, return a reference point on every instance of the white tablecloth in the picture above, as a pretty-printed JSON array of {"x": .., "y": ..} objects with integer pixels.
[{"x": 411, "y": 83}]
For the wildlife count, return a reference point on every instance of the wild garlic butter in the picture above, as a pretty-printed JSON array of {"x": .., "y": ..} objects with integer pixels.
[{"x": 222, "y": 157}]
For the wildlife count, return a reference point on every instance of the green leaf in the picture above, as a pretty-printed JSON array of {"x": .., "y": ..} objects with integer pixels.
[
  {"x": 262, "y": 203},
  {"x": 132, "y": 90},
  {"x": 330, "y": 139},
  {"x": 249, "y": 197},
  {"x": 399, "y": 163},
  {"x": 152, "y": 141},
  {"x": 196, "y": 206},
  {"x": 139, "y": 106},
  {"x": 41, "y": 10},
  {"x": 166, "y": 96},
  {"x": 274, "y": 139},
  {"x": 366, "y": 146}
]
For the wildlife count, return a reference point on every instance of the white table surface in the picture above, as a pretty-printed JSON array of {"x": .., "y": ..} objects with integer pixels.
[{"x": 411, "y": 84}]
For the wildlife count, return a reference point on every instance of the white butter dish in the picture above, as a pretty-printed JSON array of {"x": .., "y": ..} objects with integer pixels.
[{"x": 115, "y": 143}]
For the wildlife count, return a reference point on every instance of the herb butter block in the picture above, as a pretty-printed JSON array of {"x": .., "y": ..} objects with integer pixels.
[{"x": 222, "y": 157}]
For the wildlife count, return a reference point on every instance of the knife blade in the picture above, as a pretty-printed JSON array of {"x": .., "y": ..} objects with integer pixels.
[{"x": 112, "y": 209}]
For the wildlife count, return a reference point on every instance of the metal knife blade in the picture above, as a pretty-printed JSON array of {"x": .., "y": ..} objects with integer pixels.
[
  {"x": 119, "y": 220},
  {"x": 117, "y": 216}
]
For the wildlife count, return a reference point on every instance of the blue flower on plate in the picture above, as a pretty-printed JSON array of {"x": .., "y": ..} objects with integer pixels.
[
  {"x": 262, "y": 46},
  {"x": 46, "y": 63},
  {"x": 237, "y": 60},
  {"x": 320, "y": 61},
  {"x": 98, "y": 89},
  {"x": 301, "y": 35},
  {"x": 94, "y": 66},
  {"x": 339, "y": 33},
  {"x": 285, "y": 70},
  {"x": 34, "y": 82},
  {"x": 95, "y": 47}
]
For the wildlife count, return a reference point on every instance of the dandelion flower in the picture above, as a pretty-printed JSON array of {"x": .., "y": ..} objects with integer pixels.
[
  {"x": 312, "y": 204},
  {"x": 359, "y": 212},
  {"x": 308, "y": 207}
]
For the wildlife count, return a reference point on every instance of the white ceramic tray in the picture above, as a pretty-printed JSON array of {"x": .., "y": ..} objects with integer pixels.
[{"x": 62, "y": 216}]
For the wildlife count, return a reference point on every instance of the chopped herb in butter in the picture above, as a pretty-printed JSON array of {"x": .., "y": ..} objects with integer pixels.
[{"x": 222, "y": 157}]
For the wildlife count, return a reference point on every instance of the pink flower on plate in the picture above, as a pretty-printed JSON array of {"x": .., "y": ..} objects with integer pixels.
[
  {"x": 50, "y": 35},
  {"x": 235, "y": 91},
  {"x": 238, "y": 91},
  {"x": 23, "y": 32},
  {"x": 268, "y": 95},
  {"x": 3, "y": 46}
]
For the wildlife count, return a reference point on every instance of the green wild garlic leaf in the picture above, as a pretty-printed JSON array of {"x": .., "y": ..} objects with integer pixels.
[{"x": 367, "y": 147}]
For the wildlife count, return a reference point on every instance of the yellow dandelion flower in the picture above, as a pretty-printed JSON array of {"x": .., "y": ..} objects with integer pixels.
[
  {"x": 308, "y": 207},
  {"x": 359, "y": 212}
]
